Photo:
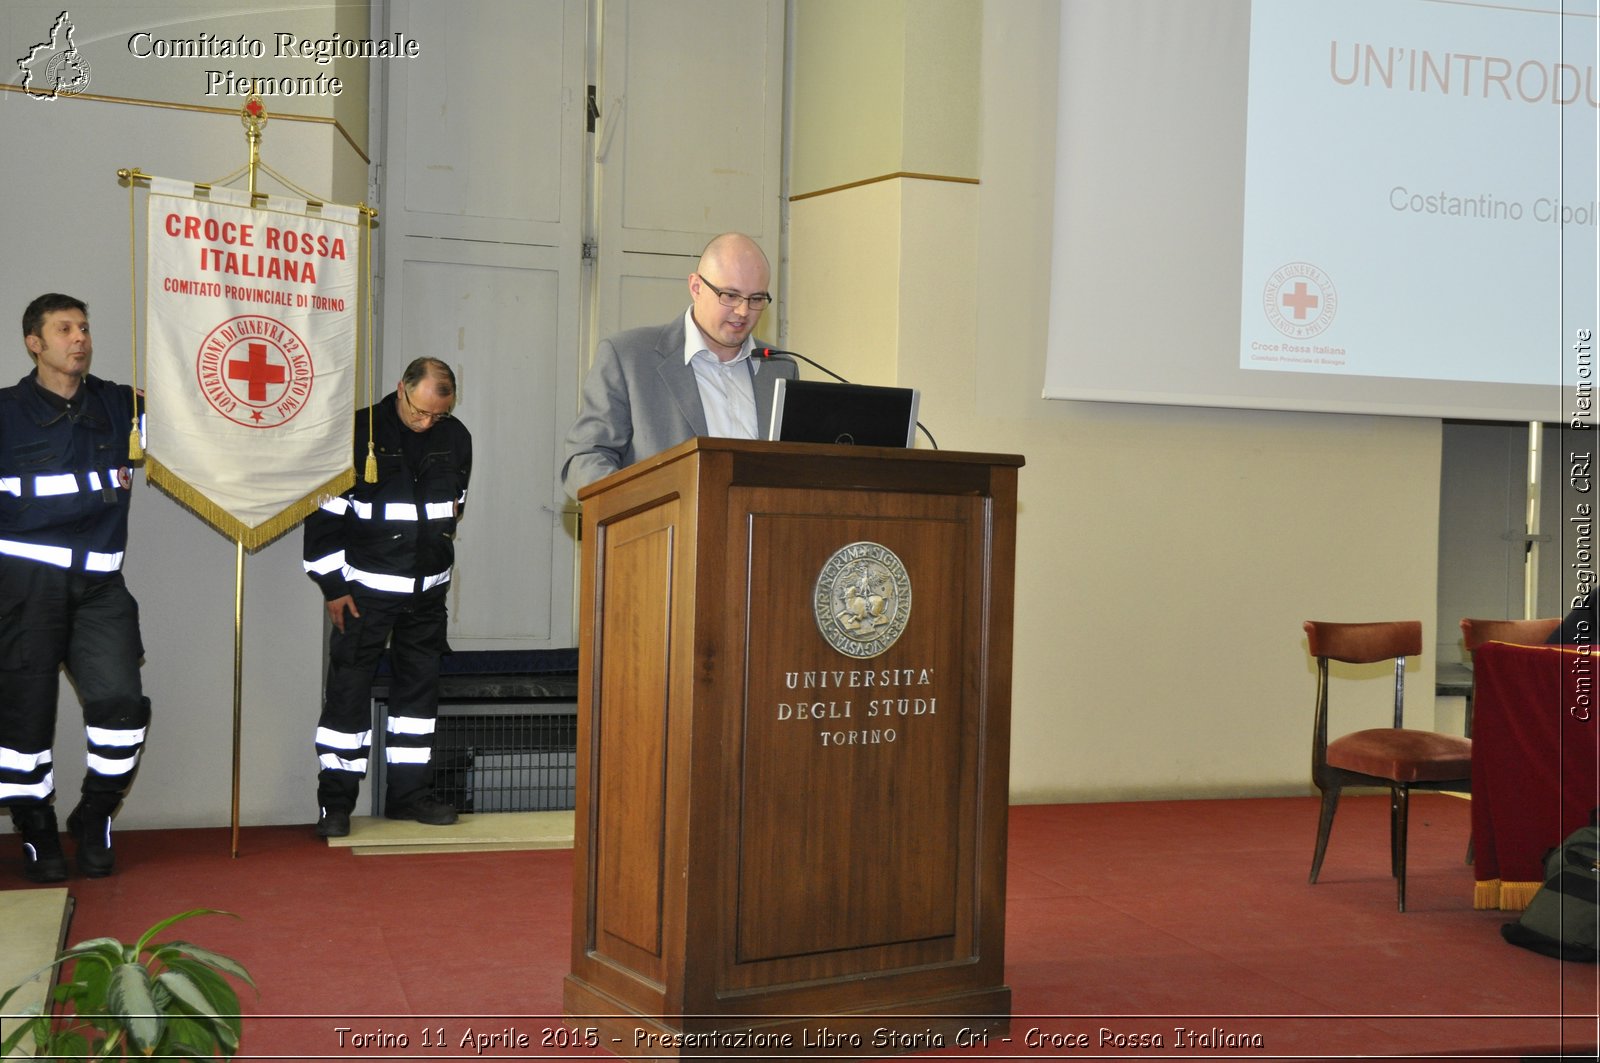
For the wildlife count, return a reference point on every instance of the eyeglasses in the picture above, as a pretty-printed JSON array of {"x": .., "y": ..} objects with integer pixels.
[
  {"x": 758, "y": 301},
  {"x": 424, "y": 415}
]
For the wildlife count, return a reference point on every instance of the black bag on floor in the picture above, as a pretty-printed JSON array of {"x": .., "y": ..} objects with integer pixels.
[{"x": 1563, "y": 919}]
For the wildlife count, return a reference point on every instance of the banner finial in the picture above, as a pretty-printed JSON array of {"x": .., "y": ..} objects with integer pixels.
[{"x": 253, "y": 114}]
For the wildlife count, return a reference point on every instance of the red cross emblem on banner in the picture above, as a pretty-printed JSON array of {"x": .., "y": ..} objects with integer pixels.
[{"x": 255, "y": 371}]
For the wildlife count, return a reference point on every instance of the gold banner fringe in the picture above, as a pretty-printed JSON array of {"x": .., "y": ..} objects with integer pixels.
[
  {"x": 1515, "y": 896},
  {"x": 1505, "y": 896},
  {"x": 251, "y": 538}
]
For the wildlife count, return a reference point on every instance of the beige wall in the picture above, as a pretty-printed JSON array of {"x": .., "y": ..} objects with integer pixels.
[{"x": 1166, "y": 555}]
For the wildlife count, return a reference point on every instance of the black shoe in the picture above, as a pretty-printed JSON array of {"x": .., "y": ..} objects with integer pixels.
[
  {"x": 42, "y": 858},
  {"x": 334, "y": 823},
  {"x": 424, "y": 808},
  {"x": 90, "y": 826}
]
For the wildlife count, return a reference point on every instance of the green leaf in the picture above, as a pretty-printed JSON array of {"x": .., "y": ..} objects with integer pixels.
[
  {"x": 196, "y": 1038},
  {"x": 46, "y": 969},
  {"x": 183, "y": 990},
  {"x": 65, "y": 1044},
  {"x": 150, "y": 934},
  {"x": 30, "y": 1021},
  {"x": 220, "y": 996},
  {"x": 220, "y": 1003},
  {"x": 91, "y": 977},
  {"x": 129, "y": 1002},
  {"x": 111, "y": 947},
  {"x": 216, "y": 960}
]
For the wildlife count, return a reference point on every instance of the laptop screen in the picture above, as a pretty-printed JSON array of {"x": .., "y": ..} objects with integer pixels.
[{"x": 814, "y": 411}]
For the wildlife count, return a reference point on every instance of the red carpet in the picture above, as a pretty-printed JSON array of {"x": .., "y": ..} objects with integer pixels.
[{"x": 1125, "y": 922}]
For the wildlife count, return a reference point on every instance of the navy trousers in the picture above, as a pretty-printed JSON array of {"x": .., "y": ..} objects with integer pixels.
[
  {"x": 53, "y": 617},
  {"x": 413, "y": 628}
]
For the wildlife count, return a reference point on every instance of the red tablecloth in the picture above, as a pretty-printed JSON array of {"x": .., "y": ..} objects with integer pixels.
[{"x": 1536, "y": 717}]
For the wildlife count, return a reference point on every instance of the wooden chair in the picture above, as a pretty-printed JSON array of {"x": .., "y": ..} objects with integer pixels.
[
  {"x": 1397, "y": 758},
  {"x": 1475, "y": 633}
]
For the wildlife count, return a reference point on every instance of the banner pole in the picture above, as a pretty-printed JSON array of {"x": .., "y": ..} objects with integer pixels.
[
  {"x": 254, "y": 119},
  {"x": 238, "y": 681}
]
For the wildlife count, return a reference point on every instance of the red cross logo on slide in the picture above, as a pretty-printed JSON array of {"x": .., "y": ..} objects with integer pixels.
[
  {"x": 255, "y": 371},
  {"x": 1300, "y": 300}
]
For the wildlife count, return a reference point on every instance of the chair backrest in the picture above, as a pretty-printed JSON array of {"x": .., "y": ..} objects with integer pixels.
[
  {"x": 1475, "y": 633},
  {"x": 1357, "y": 644},
  {"x": 1364, "y": 643}
]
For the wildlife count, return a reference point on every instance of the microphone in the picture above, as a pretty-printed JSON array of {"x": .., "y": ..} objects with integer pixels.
[{"x": 773, "y": 352}]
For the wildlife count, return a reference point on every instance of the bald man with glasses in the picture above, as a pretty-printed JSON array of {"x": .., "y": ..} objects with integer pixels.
[
  {"x": 655, "y": 387},
  {"x": 382, "y": 554}
]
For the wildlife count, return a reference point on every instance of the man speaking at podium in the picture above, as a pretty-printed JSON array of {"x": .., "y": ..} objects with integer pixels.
[{"x": 652, "y": 388}]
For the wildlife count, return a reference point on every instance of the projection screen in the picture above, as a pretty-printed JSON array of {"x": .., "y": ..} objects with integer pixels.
[{"x": 1370, "y": 206}]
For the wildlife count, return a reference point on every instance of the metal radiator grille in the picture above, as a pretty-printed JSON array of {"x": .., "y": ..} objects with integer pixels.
[{"x": 506, "y": 763}]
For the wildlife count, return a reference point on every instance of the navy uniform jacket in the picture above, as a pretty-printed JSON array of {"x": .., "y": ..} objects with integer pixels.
[
  {"x": 396, "y": 536},
  {"x": 65, "y": 480}
]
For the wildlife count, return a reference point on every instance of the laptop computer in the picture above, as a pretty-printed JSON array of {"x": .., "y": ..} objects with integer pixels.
[{"x": 815, "y": 411}]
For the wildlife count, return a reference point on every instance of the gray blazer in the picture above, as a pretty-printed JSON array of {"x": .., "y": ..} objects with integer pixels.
[{"x": 639, "y": 399}]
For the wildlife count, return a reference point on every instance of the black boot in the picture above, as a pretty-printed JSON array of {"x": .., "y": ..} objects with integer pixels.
[
  {"x": 90, "y": 825},
  {"x": 42, "y": 858},
  {"x": 333, "y": 823},
  {"x": 336, "y": 797}
]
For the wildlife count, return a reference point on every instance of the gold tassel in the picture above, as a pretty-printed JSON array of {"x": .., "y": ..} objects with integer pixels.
[
  {"x": 135, "y": 448},
  {"x": 371, "y": 473}
]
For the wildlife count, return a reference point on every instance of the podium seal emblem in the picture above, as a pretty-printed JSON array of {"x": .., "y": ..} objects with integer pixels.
[{"x": 862, "y": 599}]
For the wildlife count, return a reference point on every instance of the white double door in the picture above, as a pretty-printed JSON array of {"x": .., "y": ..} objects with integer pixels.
[{"x": 513, "y": 236}]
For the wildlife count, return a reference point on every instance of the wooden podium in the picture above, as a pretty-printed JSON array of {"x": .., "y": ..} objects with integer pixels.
[{"x": 794, "y": 717}]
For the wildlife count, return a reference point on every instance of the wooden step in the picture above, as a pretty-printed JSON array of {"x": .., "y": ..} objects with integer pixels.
[{"x": 484, "y": 832}]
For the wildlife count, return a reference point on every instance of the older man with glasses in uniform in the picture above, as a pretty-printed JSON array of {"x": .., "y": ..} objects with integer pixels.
[
  {"x": 652, "y": 388},
  {"x": 382, "y": 554}
]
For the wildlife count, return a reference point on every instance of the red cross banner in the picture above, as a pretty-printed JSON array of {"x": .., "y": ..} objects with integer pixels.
[{"x": 250, "y": 355}]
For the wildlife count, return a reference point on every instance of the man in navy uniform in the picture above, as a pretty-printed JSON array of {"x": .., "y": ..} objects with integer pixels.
[
  {"x": 64, "y": 488},
  {"x": 382, "y": 553}
]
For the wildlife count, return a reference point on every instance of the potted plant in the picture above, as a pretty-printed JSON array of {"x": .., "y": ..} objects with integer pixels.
[{"x": 169, "y": 998}]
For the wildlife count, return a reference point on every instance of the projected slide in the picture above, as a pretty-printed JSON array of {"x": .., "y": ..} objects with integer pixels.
[{"x": 1419, "y": 188}]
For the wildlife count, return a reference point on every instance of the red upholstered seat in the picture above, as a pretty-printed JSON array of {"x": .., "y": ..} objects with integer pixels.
[
  {"x": 1403, "y": 755},
  {"x": 1394, "y": 757}
]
